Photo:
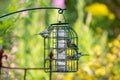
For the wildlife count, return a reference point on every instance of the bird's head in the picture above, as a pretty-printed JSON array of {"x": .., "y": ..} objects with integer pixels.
[
  {"x": 50, "y": 29},
  {"x": 68, "y": 40}
]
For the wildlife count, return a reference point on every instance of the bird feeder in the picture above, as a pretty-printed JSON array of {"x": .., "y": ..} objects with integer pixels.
[{"x": 57, "y": 53}]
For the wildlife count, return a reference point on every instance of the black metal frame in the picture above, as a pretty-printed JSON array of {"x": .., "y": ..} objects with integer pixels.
[
  {"x": 60, "y": 10},
  {"x": 49, "y": 43}
]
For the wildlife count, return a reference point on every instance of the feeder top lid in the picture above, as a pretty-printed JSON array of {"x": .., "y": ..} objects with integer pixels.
[{"x": 60, "y": 24}]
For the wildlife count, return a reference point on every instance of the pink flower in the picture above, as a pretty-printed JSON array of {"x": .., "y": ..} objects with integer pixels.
[
  {"x": 14, "y": 49},
  {"x": 22, "y": 1},
  {"x": 59, "y": 3}
]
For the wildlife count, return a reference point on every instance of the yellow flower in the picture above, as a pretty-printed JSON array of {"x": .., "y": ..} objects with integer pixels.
[
  {"x": 98, "y": 9},
  {"x": 89, "y": 77},
  {"x": 114, "y": 50},
  {"x": 101, "y": 71},
  {"x": 116, "y": 42},
  {"x": 111, "y": 57},
  {"x": 111, "y": 16}
]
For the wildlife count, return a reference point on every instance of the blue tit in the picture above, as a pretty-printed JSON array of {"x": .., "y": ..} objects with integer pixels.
[
  {"x": 71, "y": 45},
  {"x": 44, "y": 33},
  {"x": 77, "y": 56}
]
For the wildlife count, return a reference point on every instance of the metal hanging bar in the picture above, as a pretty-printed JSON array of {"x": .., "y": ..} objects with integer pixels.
[{"x": 60, "y": 10}]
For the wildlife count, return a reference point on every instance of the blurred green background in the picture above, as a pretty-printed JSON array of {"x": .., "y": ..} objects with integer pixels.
[{"x": 97, "y": 23}]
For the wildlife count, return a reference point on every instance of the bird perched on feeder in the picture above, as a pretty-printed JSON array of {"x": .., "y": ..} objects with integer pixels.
[
  {"x": 45, "y": 33},
  {"x": 77, "y": 56},
  {"x": 71, "y": 45}
]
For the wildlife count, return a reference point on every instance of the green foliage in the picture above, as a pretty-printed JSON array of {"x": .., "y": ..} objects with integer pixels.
[{"x": 72, "y": 12}]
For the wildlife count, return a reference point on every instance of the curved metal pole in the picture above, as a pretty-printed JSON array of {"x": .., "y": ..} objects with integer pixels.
[{"x": 30, "y": 9}]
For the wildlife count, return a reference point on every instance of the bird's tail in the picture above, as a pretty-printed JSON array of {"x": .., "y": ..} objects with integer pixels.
[
  {"x": 76, "y": 51},
  {"x": 84, "y": 54}
]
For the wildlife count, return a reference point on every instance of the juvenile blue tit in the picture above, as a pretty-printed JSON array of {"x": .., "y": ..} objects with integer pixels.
[
  {"x": 77, "y": 56},
  {"x": 71, "y": 45},
  {"x": 44, "y": 33}
]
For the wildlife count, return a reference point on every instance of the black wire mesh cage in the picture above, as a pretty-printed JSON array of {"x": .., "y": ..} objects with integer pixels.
[{"x": 58, "y": 51}]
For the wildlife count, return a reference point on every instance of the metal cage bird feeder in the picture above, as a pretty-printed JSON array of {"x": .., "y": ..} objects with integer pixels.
[{"x": 60, "y": 44}]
